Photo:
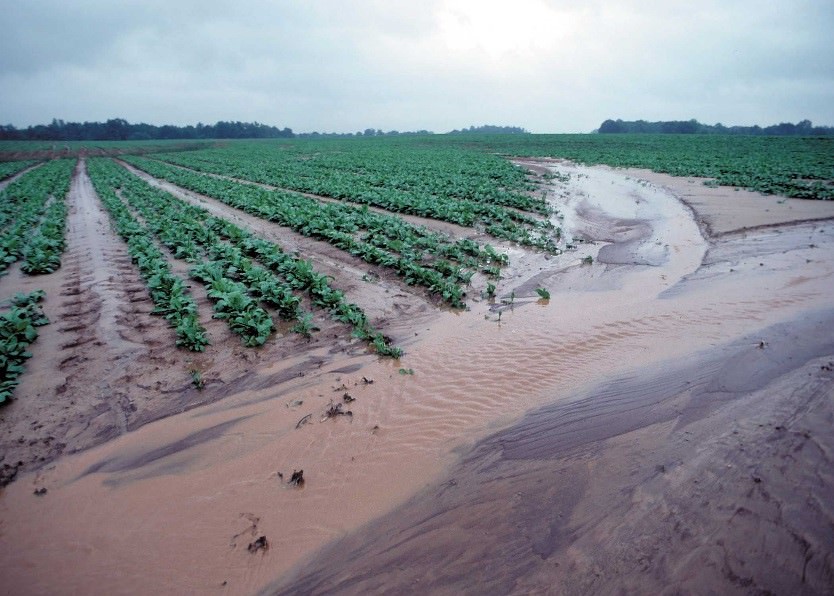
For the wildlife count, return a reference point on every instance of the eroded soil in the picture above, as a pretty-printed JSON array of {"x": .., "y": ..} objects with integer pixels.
[
  {"x": 707, "y": 476},
  {"x": 653, "y": 352},
  {"x": 105, "y": 366}
]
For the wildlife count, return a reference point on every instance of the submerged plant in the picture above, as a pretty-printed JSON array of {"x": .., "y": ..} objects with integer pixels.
[{"x": 383, "y": 346}]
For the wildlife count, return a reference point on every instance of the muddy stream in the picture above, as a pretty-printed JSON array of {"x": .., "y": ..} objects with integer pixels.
[{"x": 178, "y": 505}]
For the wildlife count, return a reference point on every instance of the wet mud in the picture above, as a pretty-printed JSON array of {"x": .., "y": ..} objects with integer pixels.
[
  {"x": 614, "y": 405},
  {"x": 105, "y": 366},
  {"x": 723, "y": 209},
  {"x": 709, "y": 475}
]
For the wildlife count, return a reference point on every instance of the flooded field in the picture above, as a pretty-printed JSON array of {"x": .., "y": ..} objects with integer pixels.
[{"x": 659, "y": 422}]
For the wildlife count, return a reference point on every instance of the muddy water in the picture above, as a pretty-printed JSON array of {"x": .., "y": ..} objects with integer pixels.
[
  {"x": 666, "y": 481},
  {"x": 726, "y": 209},
  {"x": 172, "y": 507}
]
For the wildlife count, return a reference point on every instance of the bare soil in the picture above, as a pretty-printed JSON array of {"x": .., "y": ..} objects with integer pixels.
[
  {"x": 663, "y": 422},
  {"x": 62, "y": 151}
]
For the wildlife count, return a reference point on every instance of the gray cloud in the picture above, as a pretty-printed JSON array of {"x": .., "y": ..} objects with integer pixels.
[{"x": 547, "y": 65}]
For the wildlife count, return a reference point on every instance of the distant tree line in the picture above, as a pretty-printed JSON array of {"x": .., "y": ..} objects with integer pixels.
[
  {"x": 376, "y": 132},
  {"x": 118, "y": 129},
  {"x": 803, "y": 128},
  {"x": 490, "y": 129},
  {"x": 368, "y": 132}
]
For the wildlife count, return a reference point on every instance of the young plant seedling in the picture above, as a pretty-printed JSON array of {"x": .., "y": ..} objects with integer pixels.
[
  {"x": 197, "y": 379},
  {"x": 543, "y": 293},
  {"x": 490, "y": 290}
]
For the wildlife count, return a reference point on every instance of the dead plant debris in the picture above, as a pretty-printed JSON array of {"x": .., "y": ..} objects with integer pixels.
[
  {"x": 260, "y": 544},
  {"x": 336, "y": 410},
  {"x": 297, "y": 478}
]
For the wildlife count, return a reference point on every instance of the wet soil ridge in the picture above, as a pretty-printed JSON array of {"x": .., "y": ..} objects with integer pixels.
[
  {"x": 135, "y": 462},
  {"x": 666, "y": 480}
]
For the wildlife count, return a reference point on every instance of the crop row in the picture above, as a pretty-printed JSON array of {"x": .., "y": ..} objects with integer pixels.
[
  {"x": 18, "y": 329},
  {"x": 32, "y": 218},
  {"x": 187, "y": 239},
  {"x": 225, "y": 260},
  {"x": 168, "y": 291},
  {"x": 392, "y": 182},
  {"x": 367, "y": 165},
  {"x": 10, "y": 168},
  {"x": 417, "y": 254}
]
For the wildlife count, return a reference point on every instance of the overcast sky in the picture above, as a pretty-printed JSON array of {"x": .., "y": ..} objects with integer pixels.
[{"x": 342, "y": 65}]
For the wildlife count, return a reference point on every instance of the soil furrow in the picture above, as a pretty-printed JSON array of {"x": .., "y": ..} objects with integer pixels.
[
  {"x": 387, "y": 301},
  {"x": 72, "y": 395}
]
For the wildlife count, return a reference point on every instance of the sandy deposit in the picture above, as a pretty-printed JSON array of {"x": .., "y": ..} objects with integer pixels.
[
  {"x": 173, "y": 506},
  {"x": 723, "y": 209}
]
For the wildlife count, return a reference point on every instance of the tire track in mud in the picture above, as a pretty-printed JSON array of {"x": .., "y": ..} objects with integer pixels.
[
  {"x": 103, "y": 298},
  {"x": 79, "y": 387}
]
